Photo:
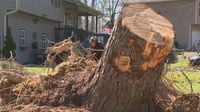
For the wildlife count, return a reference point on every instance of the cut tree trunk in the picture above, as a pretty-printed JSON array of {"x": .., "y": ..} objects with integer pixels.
[{"x": 133, "y": 61}]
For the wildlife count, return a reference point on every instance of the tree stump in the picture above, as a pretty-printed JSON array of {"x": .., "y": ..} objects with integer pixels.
[{"x": 133, "y": 61}]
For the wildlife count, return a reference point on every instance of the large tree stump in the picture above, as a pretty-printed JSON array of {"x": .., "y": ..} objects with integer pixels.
[{"x": 133, "y": 62}]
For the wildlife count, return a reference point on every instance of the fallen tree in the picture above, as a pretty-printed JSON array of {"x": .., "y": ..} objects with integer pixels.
[
  {"x": 125, "y": 80},
  {"x": 133, "y": 61}
]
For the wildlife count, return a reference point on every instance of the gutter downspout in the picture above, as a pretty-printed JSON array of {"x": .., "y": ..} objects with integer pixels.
[
  {"x": 196, "y": 11},
  {"x": 5, "y": 21}
]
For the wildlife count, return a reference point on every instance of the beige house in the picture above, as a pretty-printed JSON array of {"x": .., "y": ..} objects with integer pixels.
[{"x": 185, "y": 17}]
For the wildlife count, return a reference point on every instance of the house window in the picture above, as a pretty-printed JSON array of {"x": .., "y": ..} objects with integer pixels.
[
  {"x": 44, "y": 42},
  {"x": 22, "y": 38},
  {"x": 34, "y": 35},
  {"x": 55, "y": 3}
]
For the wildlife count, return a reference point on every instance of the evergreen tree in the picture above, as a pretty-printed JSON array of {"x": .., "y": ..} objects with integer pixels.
[{"x": 9, "y": 44}]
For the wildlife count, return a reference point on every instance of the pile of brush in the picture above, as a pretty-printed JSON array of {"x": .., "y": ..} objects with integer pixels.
[{"x": 67, "y": 85}]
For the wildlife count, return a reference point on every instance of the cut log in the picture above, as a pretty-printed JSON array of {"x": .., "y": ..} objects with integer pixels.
[{"x": 133, "y": 61}]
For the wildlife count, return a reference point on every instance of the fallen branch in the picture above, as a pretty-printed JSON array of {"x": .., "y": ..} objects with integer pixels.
[{"x": 188, "y": 81}]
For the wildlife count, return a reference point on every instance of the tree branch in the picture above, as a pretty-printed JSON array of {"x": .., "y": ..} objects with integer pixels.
[{"x": 188, "y": 81}]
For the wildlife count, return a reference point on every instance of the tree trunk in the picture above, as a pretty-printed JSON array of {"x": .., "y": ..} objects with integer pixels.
[{"x": 133, "y": 61}]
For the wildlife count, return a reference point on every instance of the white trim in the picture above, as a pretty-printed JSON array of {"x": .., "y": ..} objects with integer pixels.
[
  {"x": 8, "y": 13},
  {"x": 22, "y": 38},
  {"x": 44, "y": 42}
]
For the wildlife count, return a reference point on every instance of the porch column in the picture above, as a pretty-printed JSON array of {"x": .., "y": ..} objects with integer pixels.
[
  {"x": 96, "y": 24},
  {"x": 86, "y": 23},
  {"x": 76, "y": 18}
]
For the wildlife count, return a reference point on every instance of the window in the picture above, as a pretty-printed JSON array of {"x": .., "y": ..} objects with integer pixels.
[
  {"x": 44, "y": 42},
  {"x": 34, "y": 35},
  {"x": 22, "y": 38},
  {"x": 55, "y": 3}
]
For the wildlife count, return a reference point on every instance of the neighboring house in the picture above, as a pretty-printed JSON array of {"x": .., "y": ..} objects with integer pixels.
[
  {"x": 185, "y": 17},
  {"x": 35, "y": 21}
]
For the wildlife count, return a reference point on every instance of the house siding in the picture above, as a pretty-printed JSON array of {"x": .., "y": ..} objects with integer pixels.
[
  {"x": 24, "y": 21},
  {"x": 5, "y": 5},
  {"x": 1, "y": 20},
  {"x": 181, "y": 14},
  {"x": 43, "y": 8},
  {"x": 198, "y": 11}
]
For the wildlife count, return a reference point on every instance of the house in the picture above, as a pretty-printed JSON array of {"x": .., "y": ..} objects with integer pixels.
[
  {"x": 33, "y": 22},
  {"x": 185, "y": 17}
]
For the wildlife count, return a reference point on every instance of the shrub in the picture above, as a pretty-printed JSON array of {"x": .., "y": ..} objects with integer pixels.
[{"x": 9, "y": 44}]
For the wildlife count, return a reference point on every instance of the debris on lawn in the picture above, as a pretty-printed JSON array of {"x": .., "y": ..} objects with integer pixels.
[
  {"x": 67, "y": 84},
  {"x": 35, "y": 108},
  {"x": 66, "y": 88},
  {"x": 69, "y": 89},
  {"x": 187, "y": 103},
  {"x": 10, "y": 64},
  {"x": 69, "y": 56}
]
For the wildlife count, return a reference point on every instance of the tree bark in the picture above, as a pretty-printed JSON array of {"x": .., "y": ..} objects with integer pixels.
[{"x": 133, "y": 61}]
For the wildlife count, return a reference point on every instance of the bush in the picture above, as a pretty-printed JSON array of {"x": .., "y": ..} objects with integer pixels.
[{"x": 9, "y": 44}]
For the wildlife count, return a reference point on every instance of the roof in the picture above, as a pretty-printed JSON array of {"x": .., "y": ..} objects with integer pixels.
[{"x": 84, "y": 9}]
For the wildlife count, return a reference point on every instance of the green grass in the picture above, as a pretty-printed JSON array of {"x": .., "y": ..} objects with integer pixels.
[
  {"x": 37, "y": 70},
  {"x": 176, "y": 77},
  {"x": 181, "y": 63},
  {"x": 179, "y": 81}
]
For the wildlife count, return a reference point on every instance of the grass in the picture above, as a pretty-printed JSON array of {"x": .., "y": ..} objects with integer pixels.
[
  {"x": 179, "y": 81},
  {"x": 176, "y": 77},
  {"x": 181, "y": 63},
  {"x": 37, "y": 70}
]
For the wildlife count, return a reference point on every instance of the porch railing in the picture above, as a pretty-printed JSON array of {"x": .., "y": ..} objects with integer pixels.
[{"x": 66, "y": 31}]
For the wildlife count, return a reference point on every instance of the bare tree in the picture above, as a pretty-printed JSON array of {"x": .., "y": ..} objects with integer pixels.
[{"x": 110, "y": 7}]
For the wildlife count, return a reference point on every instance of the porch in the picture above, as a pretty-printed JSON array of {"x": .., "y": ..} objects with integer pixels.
[
  {"x": 74, "y": 11},
  {"x": 62, "y": 33}
]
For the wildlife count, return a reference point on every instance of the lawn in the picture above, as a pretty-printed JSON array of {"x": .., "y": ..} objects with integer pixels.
[
  {"x": 38, "y": 70},
  {"x": 175, "y": 75},
  {"x": 179, "y": 81}
]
